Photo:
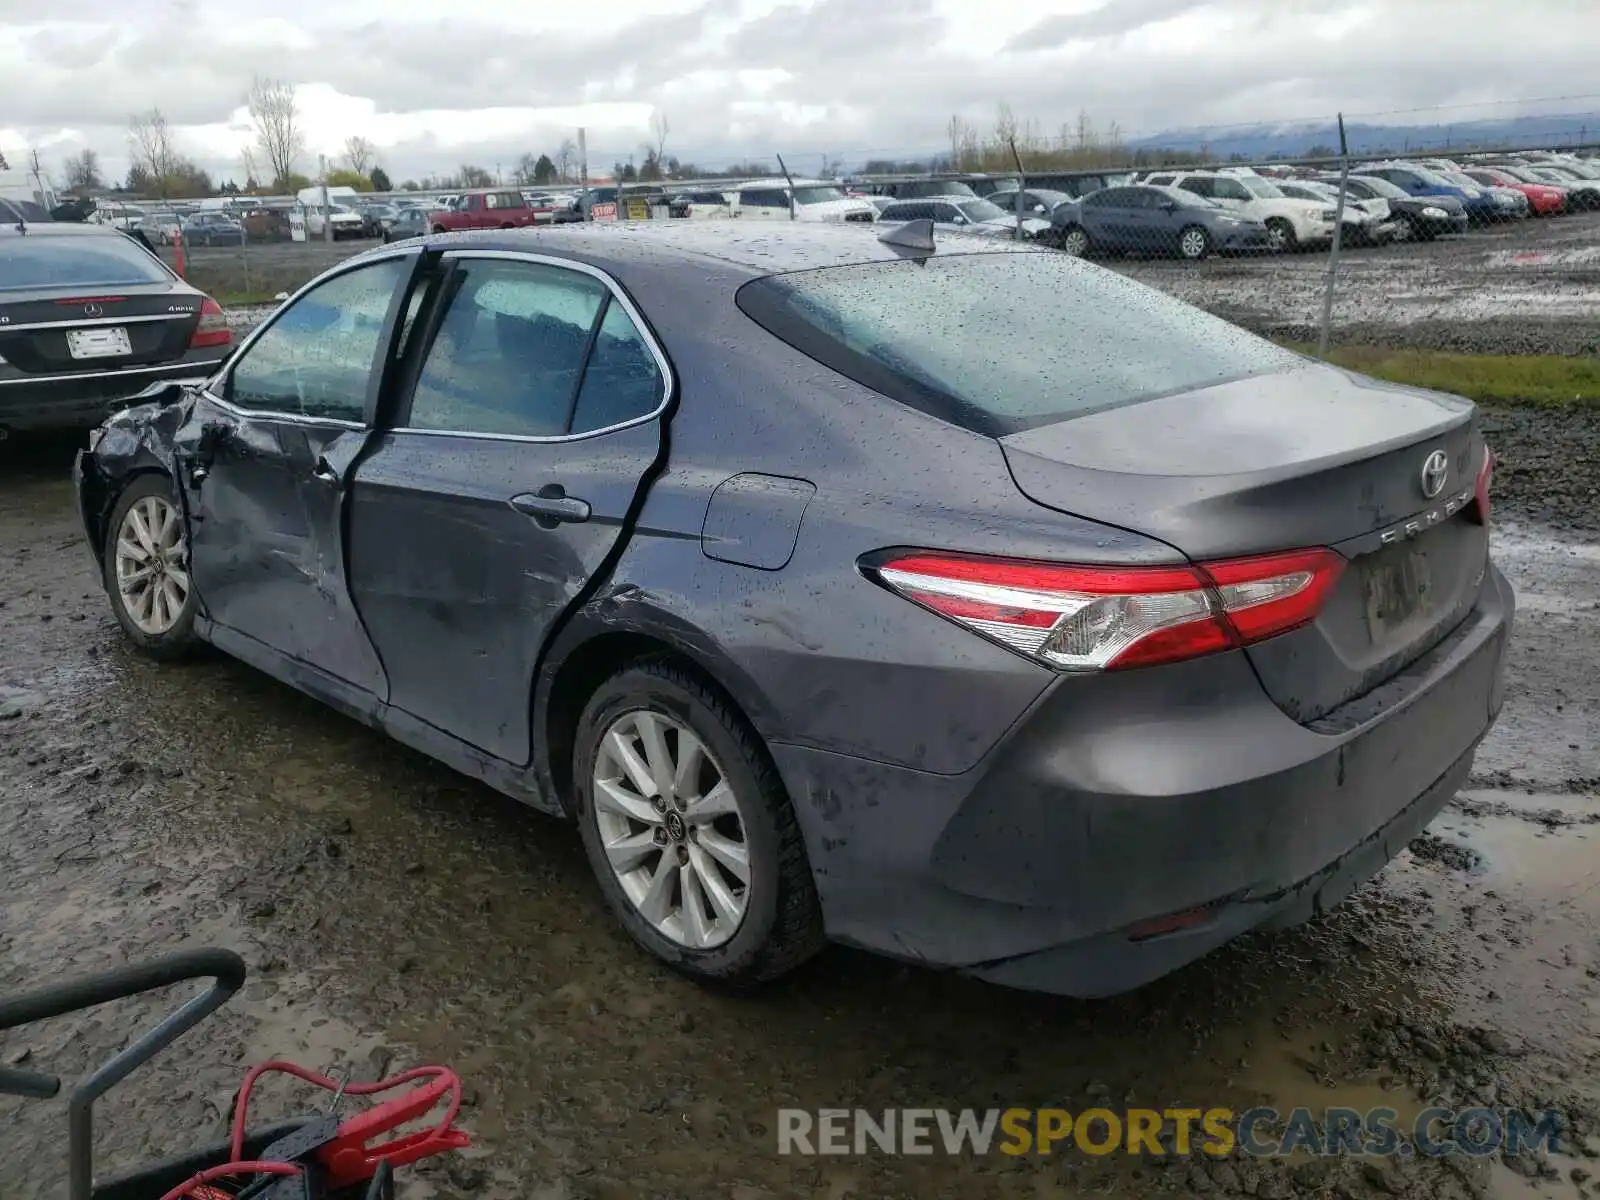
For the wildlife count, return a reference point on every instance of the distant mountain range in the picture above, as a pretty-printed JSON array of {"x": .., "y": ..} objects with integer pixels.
[{"x": 1292, "y": 140}]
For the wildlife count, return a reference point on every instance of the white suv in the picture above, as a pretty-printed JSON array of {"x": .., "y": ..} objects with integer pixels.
[
  {"x": 813, "y": 200},
  {"x": 1290, "y": 223}
]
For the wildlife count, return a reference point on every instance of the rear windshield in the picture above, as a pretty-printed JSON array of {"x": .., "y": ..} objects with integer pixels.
[
  {"x": 1001, "y": 342},
  {"x": 65, "y": 262}
]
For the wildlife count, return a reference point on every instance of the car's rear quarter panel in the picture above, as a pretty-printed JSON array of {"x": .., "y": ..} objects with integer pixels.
[{"x": 834, "y": 660}]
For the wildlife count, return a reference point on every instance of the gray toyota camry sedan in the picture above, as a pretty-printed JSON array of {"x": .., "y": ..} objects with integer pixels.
[{"x": 954, "y": 599}]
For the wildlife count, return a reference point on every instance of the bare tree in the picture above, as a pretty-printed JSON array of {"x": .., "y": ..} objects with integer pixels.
[
  {"x": 150, "y": 146},
  {"x": 960, "y": 135},
  {"x": 659, "y": 128},
  {"x": 276, "y": 117},
  {"x": 247, "y": 163},
  {"x": 1005, "y": 125},
  {"x": 566, "y": 159},
  {"x": 81, "y": 173},
  {"x": 1085, "y": 135},
  {"x": 360, "y": 154}
]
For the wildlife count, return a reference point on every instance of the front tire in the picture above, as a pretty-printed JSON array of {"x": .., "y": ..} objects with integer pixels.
[
  {"x": 689, "y": 831},
  {"x": 146, "y": 570}
]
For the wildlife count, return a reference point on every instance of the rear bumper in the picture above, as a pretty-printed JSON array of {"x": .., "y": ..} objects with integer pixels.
[
  {"x": 1148, "y": 794},
  {"x": 82, "y": 400}
]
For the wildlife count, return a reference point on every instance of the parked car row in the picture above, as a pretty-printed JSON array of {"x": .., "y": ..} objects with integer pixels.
[{"x": 1193, "y": 213}]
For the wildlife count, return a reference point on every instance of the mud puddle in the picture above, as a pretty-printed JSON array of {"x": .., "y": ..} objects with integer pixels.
[{"x": 394, "y": 913}]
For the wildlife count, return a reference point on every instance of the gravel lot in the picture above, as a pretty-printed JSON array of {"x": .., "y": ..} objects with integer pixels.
[
  {"x": 1531, "y": 287},
  {"x": 392, "y": 911}
]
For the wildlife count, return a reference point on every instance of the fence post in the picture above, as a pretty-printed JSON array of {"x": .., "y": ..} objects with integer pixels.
[
  {"x": 789, "y": 179},
  {"x": 1022, "y": 186},
  {"x": 1333, "y": 251}
]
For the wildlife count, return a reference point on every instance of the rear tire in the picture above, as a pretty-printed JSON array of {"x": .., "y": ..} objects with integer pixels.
[
  {"x": 653, "y": 854},
  {"x": 146, "y": 570},
  {"x": 1194, "y": 243},
  {"x": 1074, "y": 240}
]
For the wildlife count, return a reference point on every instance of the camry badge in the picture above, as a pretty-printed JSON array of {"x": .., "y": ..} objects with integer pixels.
[{"x": 1435, "y": 470}]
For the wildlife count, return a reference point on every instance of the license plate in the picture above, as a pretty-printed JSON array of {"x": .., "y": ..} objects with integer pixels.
[
  {"x": 1398, "y": 589},
  {"x": 110, "y": 342}
]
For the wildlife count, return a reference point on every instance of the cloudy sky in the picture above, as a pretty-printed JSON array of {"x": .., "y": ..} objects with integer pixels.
[{"x": 434, "y": 85}]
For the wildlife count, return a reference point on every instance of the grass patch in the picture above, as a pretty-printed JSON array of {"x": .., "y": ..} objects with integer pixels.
[
  {"x": 241, "y": 299},
  {"x": 1541, "y": 380}
]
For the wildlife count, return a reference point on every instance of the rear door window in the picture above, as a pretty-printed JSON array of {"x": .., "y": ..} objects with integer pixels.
[
  {"x": 928, "y": 333},
  {"x": 508, "y": 355},
  {"x": 622, "y": 380}
]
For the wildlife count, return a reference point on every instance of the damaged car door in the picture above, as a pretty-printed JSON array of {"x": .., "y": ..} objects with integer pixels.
[
  {"x": 267, "y": 451},
  {"x": 507, "y": 478}
]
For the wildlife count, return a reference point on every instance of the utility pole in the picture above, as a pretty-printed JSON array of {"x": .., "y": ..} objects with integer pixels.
[
  {"x": 584, "y": 206},
  {"x": 327, "y": 213}
]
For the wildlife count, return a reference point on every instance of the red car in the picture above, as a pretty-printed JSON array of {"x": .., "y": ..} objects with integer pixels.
[
  {"x": 1543, "y": 198},
  {"x": 499, "y": 208}
]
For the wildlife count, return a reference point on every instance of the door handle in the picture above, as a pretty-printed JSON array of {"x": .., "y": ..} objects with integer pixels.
[
  {"x": 324, "y": 473},
  {"x": 551, "y": 505}
]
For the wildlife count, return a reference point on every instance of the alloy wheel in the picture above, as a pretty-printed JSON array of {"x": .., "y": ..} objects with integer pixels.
[
  {"x": 672, "y": 829},
  {"x": 1075, "y": 242},
  {"x": 1193, "y": 244},
  {"x": 152, "y": 565}
]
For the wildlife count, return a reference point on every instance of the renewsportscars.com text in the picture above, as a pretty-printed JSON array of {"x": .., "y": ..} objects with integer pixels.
[{"x": 1179, "y": 1132}]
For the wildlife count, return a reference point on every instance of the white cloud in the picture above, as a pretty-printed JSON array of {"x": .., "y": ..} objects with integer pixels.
[{"x": 745, "y": 78}]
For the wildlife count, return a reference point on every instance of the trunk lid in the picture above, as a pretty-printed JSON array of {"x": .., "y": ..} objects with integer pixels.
[
  {"x": 158, "y": 319},
  {"x": 1314, "y": 456}
]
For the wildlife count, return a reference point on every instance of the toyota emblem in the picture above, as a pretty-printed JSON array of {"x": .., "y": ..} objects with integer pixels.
[
  {"x": 92, "y": 310},
  {"x": 1435, "y": 470}
]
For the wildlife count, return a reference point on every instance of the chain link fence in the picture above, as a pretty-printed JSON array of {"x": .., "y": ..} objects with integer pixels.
[{"x": 1493, "y": 252}]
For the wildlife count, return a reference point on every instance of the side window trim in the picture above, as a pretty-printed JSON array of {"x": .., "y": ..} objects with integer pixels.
[
  {"x": 217, "y": 387},
  {"x": 438, "y": 304}
]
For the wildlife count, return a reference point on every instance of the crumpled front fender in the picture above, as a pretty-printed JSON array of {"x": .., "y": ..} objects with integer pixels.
[{"x": 132, "y": 441}]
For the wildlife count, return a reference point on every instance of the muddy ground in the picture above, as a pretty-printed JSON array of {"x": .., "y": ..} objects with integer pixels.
[
  {"x": 395, "y": 913},
  {"x": 1529, "y": 287}
]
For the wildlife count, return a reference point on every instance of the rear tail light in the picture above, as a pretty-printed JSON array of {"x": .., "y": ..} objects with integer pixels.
[
  {"x": 213, "y": 328},
  {"x": 1480, "y": 499},
  {"x": 1081, "y": 618}
]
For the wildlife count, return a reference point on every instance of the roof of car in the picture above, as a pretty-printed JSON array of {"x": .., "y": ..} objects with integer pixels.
[
  {"x": 59, "y": 229},
  {"x": 768, "y": 250}
]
